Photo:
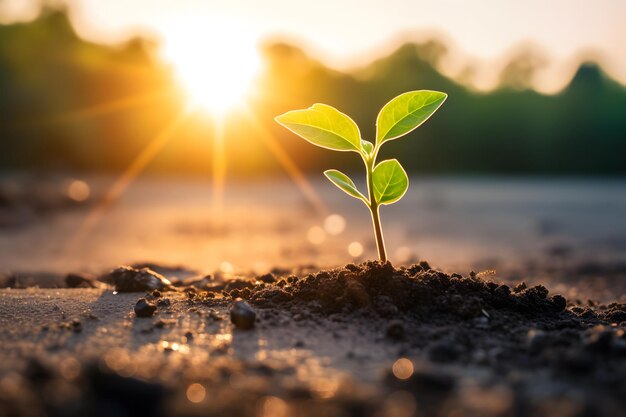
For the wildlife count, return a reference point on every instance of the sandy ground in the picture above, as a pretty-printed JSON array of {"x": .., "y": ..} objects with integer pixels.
[
  {"x": 69, "y": 352},
  {"x": 334, "y": 343}
]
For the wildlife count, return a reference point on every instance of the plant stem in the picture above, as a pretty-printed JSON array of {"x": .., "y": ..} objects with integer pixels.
[
  {"x": 374, "y": 208},
  {"x": 378, "y": 231}
]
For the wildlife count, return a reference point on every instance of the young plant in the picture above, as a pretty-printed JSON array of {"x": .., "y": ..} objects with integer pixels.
[{"x": 387, "y": 181}]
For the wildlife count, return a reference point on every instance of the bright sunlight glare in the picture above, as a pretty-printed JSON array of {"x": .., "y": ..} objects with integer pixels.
[{"x": 215, "y": 63}]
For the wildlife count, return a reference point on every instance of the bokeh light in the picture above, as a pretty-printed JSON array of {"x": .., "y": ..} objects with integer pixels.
[
  {"x": 196, "y": 393},
  {"x": 316, "y": 235},
  {"x": 69, "y": 368},
  {"x": 355, "y": 249},
  {"x": 271, "y": 406},
  {"x": 78, "y": 190},
  {"x": 334, "y": 224},
  {"x": 402, "y": 368}
]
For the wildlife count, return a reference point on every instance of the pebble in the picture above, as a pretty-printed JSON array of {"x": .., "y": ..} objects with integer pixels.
[
  {"x": 242, "y": 315},
  {"x": 143, "y": 308},
  {"x": 129, "y": 279}
]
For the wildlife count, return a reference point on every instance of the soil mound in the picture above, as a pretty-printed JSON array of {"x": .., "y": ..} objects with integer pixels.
[{"x": 418, "y": 289}]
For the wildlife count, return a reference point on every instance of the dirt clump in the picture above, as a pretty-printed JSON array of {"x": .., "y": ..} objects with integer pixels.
[
  {"x": 418, "y": 289},
  {"x": 129, "y": 279}
]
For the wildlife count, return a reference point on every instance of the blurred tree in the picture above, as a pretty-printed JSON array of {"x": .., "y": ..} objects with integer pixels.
[{"x": 71, "y": 104}]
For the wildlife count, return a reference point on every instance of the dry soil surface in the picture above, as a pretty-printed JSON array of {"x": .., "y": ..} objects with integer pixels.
[{"x": 362, "y": 340}]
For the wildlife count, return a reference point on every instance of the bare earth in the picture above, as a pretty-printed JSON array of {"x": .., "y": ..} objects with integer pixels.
[{"x": 488, "y": 352}]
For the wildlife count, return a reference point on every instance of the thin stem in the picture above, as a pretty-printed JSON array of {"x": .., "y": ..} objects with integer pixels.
[
  {"x": 378, "y": 231},
  {"x": 374, "y": 208}
]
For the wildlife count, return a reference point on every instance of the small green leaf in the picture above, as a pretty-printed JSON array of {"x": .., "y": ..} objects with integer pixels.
[
  {"x": 323, "y": 126},
  {"x": 406, "y": 112},
  {"x": 368, "y": 147},
  {"x": 344, "y": 182},
  {"x": 390, "y": 181}
]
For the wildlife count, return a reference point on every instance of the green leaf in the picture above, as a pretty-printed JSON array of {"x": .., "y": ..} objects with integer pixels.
[
  {"x": 390, "y": 181},
  {"x": 344, "y": 182},
  {"x": 406, "y": 112},
  {"x": 323, "y": 126},
  {"x": 367, "y": 146}
]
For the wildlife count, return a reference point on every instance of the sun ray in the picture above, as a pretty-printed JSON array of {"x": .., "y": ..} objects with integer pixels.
[
  {"x": 287, "y": 163},
  {"x": 126, "y": 178},
  {"x": 219, "y": 169},
  {"x": 96, "y": 110},
  {"x": 113, "y": 106}
]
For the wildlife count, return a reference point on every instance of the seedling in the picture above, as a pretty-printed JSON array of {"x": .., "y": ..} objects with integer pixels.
[{"x": 387, "y": 182}]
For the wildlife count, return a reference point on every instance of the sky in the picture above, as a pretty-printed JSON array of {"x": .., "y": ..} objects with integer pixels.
[{"x": 345, "y": 33}]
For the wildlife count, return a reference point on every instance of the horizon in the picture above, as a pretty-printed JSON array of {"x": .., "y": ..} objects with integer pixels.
[{"x": 554, "y": 70}]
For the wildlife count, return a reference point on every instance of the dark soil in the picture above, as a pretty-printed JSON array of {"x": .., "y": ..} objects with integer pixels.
[{"x": 459, "y": 345}]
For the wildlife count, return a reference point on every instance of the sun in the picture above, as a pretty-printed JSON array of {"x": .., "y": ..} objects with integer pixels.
[{"x": 215, "y": 64}]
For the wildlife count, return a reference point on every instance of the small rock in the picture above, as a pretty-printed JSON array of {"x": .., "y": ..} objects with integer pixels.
[
  {"x": 143, "y": 308},
  {"x": 242, "y": 315},
  {"x": 129, "y": 279}
]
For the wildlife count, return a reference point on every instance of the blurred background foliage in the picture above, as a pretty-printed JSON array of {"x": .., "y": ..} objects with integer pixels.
[{"x": 73, "y": 105}]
